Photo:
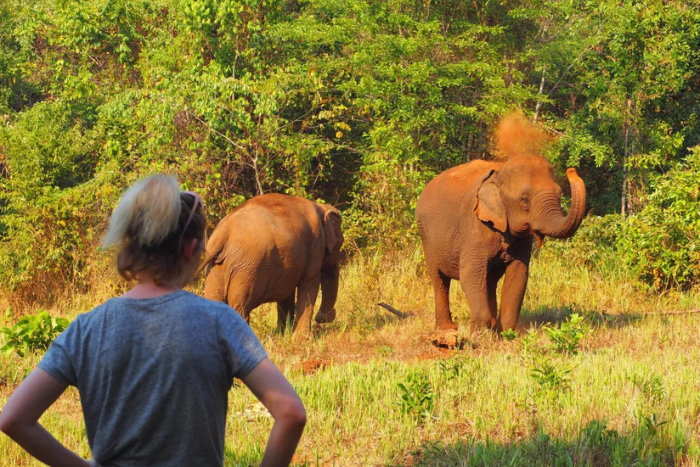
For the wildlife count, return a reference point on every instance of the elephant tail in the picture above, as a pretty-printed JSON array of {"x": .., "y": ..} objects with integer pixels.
[{"x": 212, "y": 252}]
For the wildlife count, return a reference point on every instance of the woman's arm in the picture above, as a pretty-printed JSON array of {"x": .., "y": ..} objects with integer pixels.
[
  {"x": 279, "y": 397},
  {"x": 19, "y": 420}
]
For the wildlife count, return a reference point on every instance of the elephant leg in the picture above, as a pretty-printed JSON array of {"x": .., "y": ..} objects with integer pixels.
[
  {"x": 479, "y": 285},
  {"x": 214, "y": 287},
  {"x": 513, "y": 293},
  {"x": 306, "y": 299},
  {"x": 285, "y": 313},
  {"x": 240, "y": 298},
  {"x": 441, "y": 287}
]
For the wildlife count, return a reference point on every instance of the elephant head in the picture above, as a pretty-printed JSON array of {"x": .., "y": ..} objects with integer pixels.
[
  {"x": 522, "y": 198},
  {"x": 330, "y": 272}
]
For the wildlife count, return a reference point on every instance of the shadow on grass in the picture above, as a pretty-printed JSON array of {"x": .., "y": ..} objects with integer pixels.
[
  {"x": 556, "y": 315},
  {"x": 596, "y": 446},
  {"x": 362, "y": 320}
]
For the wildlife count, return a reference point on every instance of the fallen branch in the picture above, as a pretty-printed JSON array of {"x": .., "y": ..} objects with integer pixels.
[
  {"x": 603, "y": 314},
  {"x": 395, "y": 311},
  {"x": 673, "y": 312}
]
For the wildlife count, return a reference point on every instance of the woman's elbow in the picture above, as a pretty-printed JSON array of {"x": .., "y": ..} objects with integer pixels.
[
  {"x": 294, "y": 415},
  {"x": 8, "y": 424}
]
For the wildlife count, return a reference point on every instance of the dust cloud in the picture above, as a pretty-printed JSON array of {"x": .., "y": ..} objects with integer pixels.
[{"x": 515, "y": 135}]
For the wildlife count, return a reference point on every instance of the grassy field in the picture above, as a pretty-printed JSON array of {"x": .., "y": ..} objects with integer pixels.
[{"x": 378, "y": 392}]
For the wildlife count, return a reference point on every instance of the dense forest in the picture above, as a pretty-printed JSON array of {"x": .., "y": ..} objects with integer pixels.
[{"x": 355, "y": 102}]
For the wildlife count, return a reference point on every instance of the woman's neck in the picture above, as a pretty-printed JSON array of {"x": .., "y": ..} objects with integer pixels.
[{"x": 149, "y": 289}]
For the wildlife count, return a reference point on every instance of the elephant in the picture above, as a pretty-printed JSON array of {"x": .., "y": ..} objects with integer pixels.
[
  {"x": 477, "y": 222},
  {"x": 277, "y": 248}
]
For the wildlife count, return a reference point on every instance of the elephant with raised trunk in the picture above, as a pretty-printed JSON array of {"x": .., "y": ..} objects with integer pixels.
[
  {"x": 477, "y": 222},
  {"x": 277, "y": 248}
]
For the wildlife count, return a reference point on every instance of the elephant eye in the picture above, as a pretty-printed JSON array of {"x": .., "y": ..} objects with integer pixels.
[{"x": 524, "y": 201}]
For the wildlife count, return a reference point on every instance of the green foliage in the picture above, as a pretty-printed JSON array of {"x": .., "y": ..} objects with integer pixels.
[
  {"x": 509, "y": 334},
  {"x": 530, "y": 349},
  {"x": 453, "y": 368},
  {"x": 659, "y": 243},
  {"x": 595, "y": 242},
  {"x": 651, "y": 386},
  {"x": 359, "y": 103},
  {"x": 32, "y": 333},
  {"x": 417, "y": 396},
  {"x": 567, "y": 337},
  {"x": 551, "y": 377},
  {"x": 662, "y": 241}
]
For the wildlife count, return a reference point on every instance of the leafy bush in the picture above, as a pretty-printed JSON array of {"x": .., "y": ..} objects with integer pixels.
[
  {"x": 651, "y": 385},
  {"x": 33, "y": 333},
  {"x": 551, "y": 377},
  {"x": 567, "y": 337},
  {"x": 595, "y": 242},
  {"x": 662, "y": 242},
  {"x": 417, "y": 396},
  {"x": 453, "y": 368}
]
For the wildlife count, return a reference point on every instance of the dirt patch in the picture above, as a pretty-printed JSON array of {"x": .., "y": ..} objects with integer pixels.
[
  {"x": 435, "y": 353},
  {"x": 311, "y": 366}
]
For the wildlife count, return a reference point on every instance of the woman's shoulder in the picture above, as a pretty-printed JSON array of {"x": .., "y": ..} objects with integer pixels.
[{"x": 204, "y": 304}]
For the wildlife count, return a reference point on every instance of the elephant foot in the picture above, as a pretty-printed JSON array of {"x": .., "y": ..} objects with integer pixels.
[
  {"x": 446, "y": 339},
  {"x": 302, "y": 331},
  {"x": 446, "y": 326},
  {"x": 328, "y": 317}
]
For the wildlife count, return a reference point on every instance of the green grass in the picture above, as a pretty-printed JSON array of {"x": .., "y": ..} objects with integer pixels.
[{"x": 629, "y": 397}]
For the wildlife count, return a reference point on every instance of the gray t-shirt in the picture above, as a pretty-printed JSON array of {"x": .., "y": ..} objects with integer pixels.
[{"x": 154, "y": 375}]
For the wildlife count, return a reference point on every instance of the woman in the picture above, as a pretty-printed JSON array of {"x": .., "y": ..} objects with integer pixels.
[{"x": 154, "y": 366}]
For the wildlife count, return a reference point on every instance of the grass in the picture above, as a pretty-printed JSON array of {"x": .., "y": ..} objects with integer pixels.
[{"x": 629, "y": 396}]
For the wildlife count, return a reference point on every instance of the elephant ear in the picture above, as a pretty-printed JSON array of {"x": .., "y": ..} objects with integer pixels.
[
  {"x": 488, "y": 206},
  {"x": 331, "y": 226}
]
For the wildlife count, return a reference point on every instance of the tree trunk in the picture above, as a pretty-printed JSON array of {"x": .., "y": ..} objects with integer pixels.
[
  {"x": 538, "y": 106},
  {"x": 625, "y": 182}
]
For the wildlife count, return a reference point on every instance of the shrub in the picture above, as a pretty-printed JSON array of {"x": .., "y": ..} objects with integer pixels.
[
  {"x": 417, "y": 396},
  {"x": 594, "y": 244},
  {"x": 33, "y": 333},
  {"x": 551, "y": 377},
  {"x": 509, "y": 334},
  {"x": 567, "y": 337},
  {"x": 662, "y": 242}
]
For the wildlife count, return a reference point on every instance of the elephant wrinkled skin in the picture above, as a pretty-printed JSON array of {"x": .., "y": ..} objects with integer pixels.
[
  {"x": 477, "y": 222},
  {"x": 277, "y": 248}
]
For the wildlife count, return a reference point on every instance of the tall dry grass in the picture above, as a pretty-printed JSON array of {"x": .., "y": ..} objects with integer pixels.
[{"x": 629, "y": 397}]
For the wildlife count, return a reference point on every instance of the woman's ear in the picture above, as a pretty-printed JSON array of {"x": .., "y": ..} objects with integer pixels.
[
  {"x": 189, "y": 249},
  {"x": 489, "y": 207}
]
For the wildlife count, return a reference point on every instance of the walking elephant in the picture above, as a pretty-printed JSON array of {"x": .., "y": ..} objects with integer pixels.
[
  {"x": 477, "y": 222},
  {"x": 277, "y": 248}
]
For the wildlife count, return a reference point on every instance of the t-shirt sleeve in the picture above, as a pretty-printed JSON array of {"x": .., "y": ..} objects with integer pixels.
[
  {"x": 242, "y": 348},
  {"x": 60, "y": 360}
]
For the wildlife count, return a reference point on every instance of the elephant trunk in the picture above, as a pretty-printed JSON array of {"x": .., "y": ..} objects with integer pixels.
[
  {"x": 329, "y": 294},
  {"x": 555, "y": 223}
]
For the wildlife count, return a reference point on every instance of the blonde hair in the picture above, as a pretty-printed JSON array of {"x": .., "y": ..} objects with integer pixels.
[
  {"x": 148, "y": 210},
  {"x": 150, "y": 224}
]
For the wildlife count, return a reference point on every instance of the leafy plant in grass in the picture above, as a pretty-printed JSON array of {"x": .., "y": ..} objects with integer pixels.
[
  {"x": 32, "y": 333},
  {"x": 417, "y": 396},
  {"x": 551, "y": 378},
  {"x": 651, "y": 386},
  {"x": 452, "y": 368},
  {"x": 567, "y": 337},
  {"x": 509, "y": 334}
]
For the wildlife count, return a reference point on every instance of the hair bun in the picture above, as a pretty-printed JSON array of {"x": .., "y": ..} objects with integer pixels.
[{"x": 148, "y": 211}]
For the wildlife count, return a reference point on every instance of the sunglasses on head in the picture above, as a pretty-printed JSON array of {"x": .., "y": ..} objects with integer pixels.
[{"x": 198, "y": 202}]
